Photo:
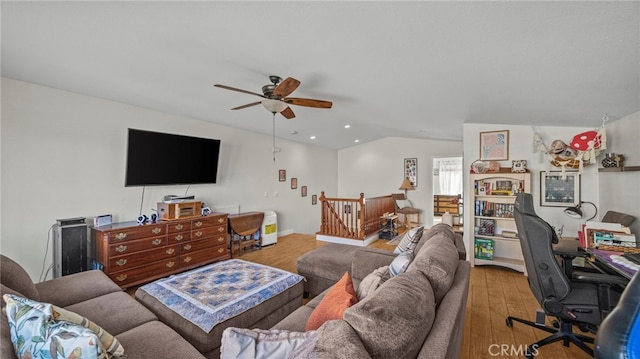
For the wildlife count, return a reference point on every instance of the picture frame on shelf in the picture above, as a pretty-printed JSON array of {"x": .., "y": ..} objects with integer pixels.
[
  {"x": 411, "y": 170},
  {"x": 494, "y": 145},
  {"x": 519, "y": 166},
  {"x": 559, "y": 189},
  {"x": 282, "y": 175},
  {"x": 294, "y": 183}
]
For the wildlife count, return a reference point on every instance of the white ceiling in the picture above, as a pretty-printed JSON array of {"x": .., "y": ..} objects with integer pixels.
[{"x": 411, "y": 69}]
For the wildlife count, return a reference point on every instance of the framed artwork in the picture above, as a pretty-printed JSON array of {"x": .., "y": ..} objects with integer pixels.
[
  {"x": 558, "y": 189},
  {"x": 494, "y": 145},
  {"x": 411, "y": 170},
  {"x": 294, "y": 183},
  {"x": 282, "y": 175},
  {"x": 519, "y": 166},
  {"x": 303, "y": 191},
  {"x": 314, "y": 199}
]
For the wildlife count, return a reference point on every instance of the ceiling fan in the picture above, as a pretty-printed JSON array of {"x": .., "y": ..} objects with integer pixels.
[{"x": 275, "y": 98}]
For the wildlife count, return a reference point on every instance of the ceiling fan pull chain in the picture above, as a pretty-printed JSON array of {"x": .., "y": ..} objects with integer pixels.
[{"x": 273, "y": 148}]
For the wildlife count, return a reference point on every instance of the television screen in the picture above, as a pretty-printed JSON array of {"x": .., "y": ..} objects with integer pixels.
[{"x": 155, "y": 158}]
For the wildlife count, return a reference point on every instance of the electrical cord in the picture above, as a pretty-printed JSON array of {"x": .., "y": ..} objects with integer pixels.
[
  {"x": 141, "y": 200},
  {"x": 46, "y": 253}
]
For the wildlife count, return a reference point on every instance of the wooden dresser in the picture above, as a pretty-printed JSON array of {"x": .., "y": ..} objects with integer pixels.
[{"x": 132, "y": 253}]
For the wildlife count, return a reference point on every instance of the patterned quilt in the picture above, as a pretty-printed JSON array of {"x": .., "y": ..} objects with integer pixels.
[{"x": 209, "y": 295}]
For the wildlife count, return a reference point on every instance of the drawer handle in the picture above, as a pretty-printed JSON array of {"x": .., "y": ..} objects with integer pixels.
[
  {"x": 121, "y": 277},
  {"x": 187, "y": 247},
  {"x": 156, "y": 241},
  {"x": 220, "y": 250},
  {"x": 187, "y": 259},
  {"x": 156, "y": 230},
  {"x": 121, "y": 236},
  {"x": 121, "y": 262},
  {"x": 179, "y": 226},
  {"x": 220, "y": 239},
  {"x": 198, "y": 224},
  {"x": 220, "y": 220},
  {"x": 170, "y": 250},
  {"x": 179, "y": 237},
  {"x": 198, "y": 233},
  {"x": 121, "y": 248},
  {"x": 221, "y": 229},
  {"x": 170, "y": 264}
]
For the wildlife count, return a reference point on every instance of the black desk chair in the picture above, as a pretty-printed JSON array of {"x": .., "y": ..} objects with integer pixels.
[
  {"x": 618, "y": 336},
  {"x": 582, "y": 300}
]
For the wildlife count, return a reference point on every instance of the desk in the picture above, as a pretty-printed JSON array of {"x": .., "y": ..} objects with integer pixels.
[{"x": 604, "y": 258}]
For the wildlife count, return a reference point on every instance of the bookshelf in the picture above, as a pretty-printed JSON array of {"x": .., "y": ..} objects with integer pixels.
[{"x": 494, "y": 239}]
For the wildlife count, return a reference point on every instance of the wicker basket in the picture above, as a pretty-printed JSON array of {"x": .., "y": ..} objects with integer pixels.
[{"x": 607, "y": 247}]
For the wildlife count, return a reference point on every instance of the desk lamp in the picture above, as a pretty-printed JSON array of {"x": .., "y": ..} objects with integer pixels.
[
  {"x": 576, "y": 211},
  {"x": 406, "y": 185}
]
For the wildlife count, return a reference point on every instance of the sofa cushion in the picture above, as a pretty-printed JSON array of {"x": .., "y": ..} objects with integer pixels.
[
  {"x": 372, "y": 281},
  {"x": 436, "y": 229},
  {"x": 339, "y": 297},
  {"x": 153, "y": 340},
  {"x": 390, "y": 322},
  {"x": 438, "y": 261},
  {"x": 115, "y": 312},
  {"x": 240, "y": 343},
  {"x": 400, "y": 264},
  {"x": 35, "y": 332},
  {"x": 73, "y": 288},
  {"x": 15, "y": 277},
  {"x": 410, "y": 240},
  {"x": 334, "y": 339}
]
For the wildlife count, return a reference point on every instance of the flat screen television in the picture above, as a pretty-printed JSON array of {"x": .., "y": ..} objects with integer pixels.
[{"x": 155, "y": 159}]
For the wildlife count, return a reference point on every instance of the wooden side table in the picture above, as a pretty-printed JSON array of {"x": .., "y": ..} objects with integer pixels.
[{"x": 242, "y": 228}]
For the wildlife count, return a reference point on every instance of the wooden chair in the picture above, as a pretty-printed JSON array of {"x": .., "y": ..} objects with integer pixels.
[{"x": 404, "y": 207}]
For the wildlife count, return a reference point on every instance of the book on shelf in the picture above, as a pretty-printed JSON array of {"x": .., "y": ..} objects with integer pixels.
[{"x": 483, "y": 248}]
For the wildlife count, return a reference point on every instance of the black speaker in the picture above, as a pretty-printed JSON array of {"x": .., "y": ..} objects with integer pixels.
[{"x": 72, "y": 251}]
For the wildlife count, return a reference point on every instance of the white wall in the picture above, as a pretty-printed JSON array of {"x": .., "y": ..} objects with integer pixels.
[
  {"x": 63, "y": 155},
  {"x": 377, "y": 169},
  {"x": 521, "y": 148},
  {"x": 620, "y": 191}
]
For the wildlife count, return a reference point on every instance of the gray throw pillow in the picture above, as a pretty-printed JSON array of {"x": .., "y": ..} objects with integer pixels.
[{"x": 372, "y": 281}]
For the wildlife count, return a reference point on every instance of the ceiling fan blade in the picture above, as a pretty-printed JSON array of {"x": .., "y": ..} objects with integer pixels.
[
  {"x": 309, "y": 102},
  {"x": 288, "y": 113},
  {"x": 286, "y": 87},
  {"x": 247, "y": 105},
  {"x": 238, "y": 90}
]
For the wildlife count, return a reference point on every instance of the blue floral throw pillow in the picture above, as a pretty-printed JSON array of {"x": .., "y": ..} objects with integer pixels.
[{"x": 35, "y": 334}]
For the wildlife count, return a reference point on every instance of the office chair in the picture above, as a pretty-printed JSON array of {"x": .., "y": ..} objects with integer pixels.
[
  {"x": 618, "y": 336},
  {"x": 582, "y": 300}
]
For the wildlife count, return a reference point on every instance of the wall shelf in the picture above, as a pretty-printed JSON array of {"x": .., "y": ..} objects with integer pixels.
[{"x": 619, "y": 169}]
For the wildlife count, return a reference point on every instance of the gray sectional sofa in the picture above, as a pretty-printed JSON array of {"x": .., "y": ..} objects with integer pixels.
[
  {"x": 93, "y": 295},
  {"x": 418, "y": 314}
]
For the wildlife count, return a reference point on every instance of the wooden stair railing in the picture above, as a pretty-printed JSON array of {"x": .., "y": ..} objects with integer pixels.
[{"x": 353, "y": 218}]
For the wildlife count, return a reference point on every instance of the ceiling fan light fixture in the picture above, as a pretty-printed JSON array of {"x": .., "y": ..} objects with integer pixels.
[{"x": 274, "y": 106}]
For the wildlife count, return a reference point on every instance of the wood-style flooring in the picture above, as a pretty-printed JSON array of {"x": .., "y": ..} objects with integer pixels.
[{"x": 494, "y": 293}]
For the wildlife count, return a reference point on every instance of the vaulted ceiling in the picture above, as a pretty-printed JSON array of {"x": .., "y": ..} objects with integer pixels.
[{"x": 411, "y": 69}]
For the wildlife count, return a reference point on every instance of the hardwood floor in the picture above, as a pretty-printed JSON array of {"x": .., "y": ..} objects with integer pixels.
[{"x": 494, "y": 293}]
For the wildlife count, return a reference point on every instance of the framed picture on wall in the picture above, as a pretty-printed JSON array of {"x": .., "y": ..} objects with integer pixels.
[
  {"x": 558, "y": 189},
  {"x": 314, "y": 199},
  {"x": 282, "y": 175},
  {"x": 411, "y": 170},
  {"x": 494, "y": 145},
  {"x": 294, "y": 183},
  {"x": 303, "y": 191}
]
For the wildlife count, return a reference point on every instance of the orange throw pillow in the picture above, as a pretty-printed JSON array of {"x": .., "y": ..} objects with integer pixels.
[{"x": 340, "y": 297}]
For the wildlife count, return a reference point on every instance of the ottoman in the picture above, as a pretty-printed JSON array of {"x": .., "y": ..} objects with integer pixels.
[
  {"x": 263, "y": 315},
  {"x": 324, "y": 266}
]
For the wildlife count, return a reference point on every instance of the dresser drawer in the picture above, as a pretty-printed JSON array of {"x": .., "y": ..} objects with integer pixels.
[
  {"x": 209, "y": 221},
  {"x": 147, "y": 230},
  {"x": 208, "y": 232},
  {"x": 179, "y": 237},
  {"x": 204, "y": 255},
  {"x": 137, "y": 245},
  {"x": 139, "y": 274},
  {"x": 197, "y": 245},
  {"x": 117, "y": 264},
  {"x": 178, "y": 227}
]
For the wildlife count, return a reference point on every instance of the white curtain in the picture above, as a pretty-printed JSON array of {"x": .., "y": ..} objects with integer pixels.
[{"x": 450, "y": 175}]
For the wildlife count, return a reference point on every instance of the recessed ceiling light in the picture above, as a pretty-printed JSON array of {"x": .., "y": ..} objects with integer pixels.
[
  {"x": 347, "y": 126},
  {"x": 313, "y": 137},
  {"x": 294, "y": 132},
  {"x": 356, "y": 141}
]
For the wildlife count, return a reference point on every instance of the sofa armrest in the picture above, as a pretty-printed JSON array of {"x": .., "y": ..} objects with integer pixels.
[
  {"x": 75, "y": 288},
  {"x": 366, "y": 260}
]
